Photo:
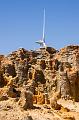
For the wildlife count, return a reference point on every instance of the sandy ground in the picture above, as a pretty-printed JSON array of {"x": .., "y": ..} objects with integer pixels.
[{"x": 9, "y": 110}]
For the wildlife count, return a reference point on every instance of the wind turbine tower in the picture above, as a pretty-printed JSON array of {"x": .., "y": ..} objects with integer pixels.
[{"x": 42, "y": 41}]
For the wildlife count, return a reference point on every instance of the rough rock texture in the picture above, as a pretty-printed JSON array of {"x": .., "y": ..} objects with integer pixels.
[
  {"x": 41, "y": 77},
  {"x": 26, "y": 99},
  {"x": 68, "y": 72},
  {"x": 44, "y": 71},
  {"x": 27, "y": 118}
]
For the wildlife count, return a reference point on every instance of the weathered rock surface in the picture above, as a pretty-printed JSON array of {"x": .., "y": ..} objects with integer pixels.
[
  {"x": 26, "y": 99},
  {"x": 27, "y": 118},
  {"x": 44, "y": 73}
]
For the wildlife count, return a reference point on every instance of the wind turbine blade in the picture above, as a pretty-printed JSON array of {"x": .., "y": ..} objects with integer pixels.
[
  {"x": 42, "y": 41},
  {"x": 44, "y": 27}
]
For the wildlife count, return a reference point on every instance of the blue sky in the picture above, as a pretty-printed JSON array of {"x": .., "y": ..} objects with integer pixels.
[{"x": 21, "y": 23}]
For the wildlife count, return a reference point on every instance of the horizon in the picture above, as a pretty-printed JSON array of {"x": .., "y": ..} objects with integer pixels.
[{"x": 21, "y": 24}]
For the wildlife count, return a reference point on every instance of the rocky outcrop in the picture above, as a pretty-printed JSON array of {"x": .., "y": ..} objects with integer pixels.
[
  {"x": 21, "y": 71},
  {"x": 40, "y": 80},
  {"x": 68, "y": 79},
  {"x": 26, "y": 99},
  {"x": 43, "y": 73}
]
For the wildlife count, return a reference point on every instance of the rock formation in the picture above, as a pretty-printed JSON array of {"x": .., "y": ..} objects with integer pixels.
[
  {"x": 44, "y": 71},
  {"x": 41, "y": 77}
]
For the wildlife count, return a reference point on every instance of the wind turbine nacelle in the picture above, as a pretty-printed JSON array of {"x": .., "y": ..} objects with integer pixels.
[{"x": 42, "y": 43}]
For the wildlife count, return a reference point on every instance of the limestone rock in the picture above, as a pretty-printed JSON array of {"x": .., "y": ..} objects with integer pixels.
[
  {"x": 3, "y": 97},
  {"x": 2, "y": 80},
  {"x": 21, "y": 71},
  {"x": 40, "y": 77},
  {"x": 12, "y": 92},
  {"x": 63, "y": 85},
  {"x": 53, "y": 101},
  {"x": 42, "y": 64},
  {"x": 44, "y": 71},
  {"x": 40, "y": 99},
  {"x": 26, "y": 99},
  {"x": 10, "y": 70},
  {"x": 3, "y": 94},
  {"x": 27, "y": 118}
]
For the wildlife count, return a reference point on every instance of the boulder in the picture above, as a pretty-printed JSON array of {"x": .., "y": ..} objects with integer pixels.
[
  {"x": 53, "y": 101},
  {"x": 26, "y": 99}
]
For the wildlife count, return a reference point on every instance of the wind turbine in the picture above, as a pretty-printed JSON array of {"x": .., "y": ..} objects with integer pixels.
[{"x": 42, "y": 41}]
